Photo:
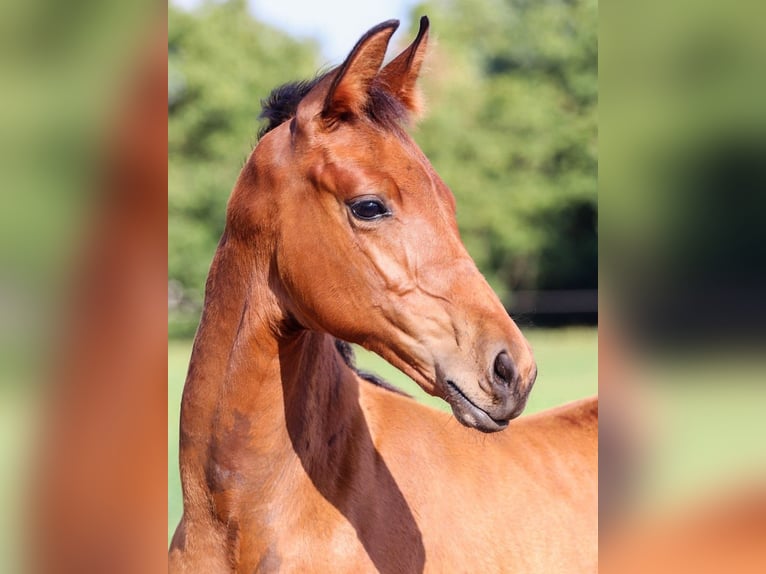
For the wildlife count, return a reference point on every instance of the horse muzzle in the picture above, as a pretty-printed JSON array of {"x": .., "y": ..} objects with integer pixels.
[{"x": 498, "y": 397}]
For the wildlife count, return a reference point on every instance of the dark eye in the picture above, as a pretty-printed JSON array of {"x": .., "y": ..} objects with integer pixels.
[{"x": 368, "y": 209}]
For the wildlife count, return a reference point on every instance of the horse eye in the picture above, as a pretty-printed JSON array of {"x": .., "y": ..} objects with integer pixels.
[{"x": 368, "y": 209}]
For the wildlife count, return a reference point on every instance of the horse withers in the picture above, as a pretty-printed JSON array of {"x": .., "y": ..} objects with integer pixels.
[{"x": 339, "y": 228}]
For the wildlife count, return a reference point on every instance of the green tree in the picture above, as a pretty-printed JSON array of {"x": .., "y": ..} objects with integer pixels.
[
  {"x": 513, "y": 129},
  {"x": 221, "y": 63}
]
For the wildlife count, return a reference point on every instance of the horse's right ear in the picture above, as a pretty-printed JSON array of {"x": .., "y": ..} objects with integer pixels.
[
  {"x": 344, "y": 92},
  {"x": 399, "y": 77},
  {"x": 350, "y": 88}
]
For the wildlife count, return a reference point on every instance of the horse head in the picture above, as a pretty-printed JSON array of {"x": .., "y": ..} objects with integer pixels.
[{"x": 362, "y": 239}]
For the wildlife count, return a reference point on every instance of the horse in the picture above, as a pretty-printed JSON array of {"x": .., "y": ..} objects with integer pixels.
[
  {"x": 93, "y": 467},
  {"x": 339, "y": 230}
]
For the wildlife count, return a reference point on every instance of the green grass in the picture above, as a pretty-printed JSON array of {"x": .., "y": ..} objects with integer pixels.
[
  {"x": 178, "y": 361},
  {"x": 567, "y": 362},
  {"x": 704, "y": 429},
  {"x": 19, "y": 419}
]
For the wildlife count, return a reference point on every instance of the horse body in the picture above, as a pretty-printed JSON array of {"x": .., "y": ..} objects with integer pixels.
[
  {"x": 339, "y": 227},
  {"x": 394, "y": 487}
]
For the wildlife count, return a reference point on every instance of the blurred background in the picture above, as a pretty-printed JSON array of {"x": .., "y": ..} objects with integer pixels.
[
  {"x": 682, "y": 197},
  {"x": 83, "y": 286},
  {"x": 510, "y": 125}
]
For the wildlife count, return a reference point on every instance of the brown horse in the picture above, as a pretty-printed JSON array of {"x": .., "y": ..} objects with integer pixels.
[{"x": 338, "y": 227}]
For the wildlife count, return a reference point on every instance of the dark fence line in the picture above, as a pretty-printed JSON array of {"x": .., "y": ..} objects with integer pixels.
[{"x": 555, "y": 308}]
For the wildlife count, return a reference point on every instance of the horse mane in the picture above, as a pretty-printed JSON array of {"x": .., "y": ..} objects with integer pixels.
[
  {"x": 347, "y": 352},
  {"x": 384, "y": 109}
]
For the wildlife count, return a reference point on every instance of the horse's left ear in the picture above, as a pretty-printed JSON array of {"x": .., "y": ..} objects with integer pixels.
[
  {"x": 399, "y": 77},
  {"x": 350, "y": 88}
]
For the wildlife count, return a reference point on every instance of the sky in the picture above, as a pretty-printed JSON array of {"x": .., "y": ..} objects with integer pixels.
[{"x": 335, "y": 24}]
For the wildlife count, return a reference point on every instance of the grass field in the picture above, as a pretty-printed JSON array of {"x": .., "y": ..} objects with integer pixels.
[
  {"x": 567, "y": 362},
  {"x": 704, "y": 429}
]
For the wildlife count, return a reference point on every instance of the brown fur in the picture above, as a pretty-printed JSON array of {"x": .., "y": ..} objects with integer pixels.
[
  {"x": 290, "y": 462},
  {"x": 399, "y": 77}
]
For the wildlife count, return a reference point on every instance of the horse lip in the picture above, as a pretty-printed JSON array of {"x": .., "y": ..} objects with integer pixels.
[{"x": 459, "y": 401}]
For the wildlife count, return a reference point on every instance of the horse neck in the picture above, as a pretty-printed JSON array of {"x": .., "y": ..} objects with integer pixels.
[{"x": 256, "y": 387}]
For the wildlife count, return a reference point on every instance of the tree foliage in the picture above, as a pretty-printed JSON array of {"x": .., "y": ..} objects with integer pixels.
[
  {"x": 511, "y": 87},
  {"x": 221, "y": 63},
  {"x": 512, "y": 130}
]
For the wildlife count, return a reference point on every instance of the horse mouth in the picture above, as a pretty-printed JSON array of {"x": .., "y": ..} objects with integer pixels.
[{"x": 469, "y": 414}]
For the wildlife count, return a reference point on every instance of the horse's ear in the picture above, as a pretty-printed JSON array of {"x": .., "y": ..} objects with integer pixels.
[
  {"x": 350, "y": 86},
  {"x": 399, "y": 77}
]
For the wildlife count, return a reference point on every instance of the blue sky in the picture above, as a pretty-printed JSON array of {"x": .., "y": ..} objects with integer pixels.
[{"x": 335, "y": 24}]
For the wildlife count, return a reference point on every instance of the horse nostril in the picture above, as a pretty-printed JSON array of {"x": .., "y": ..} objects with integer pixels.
[{"x": 504, "y": 368}]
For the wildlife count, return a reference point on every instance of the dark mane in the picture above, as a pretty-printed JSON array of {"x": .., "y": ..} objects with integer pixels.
[
  {"x": 382, "y": 107},
  {"x": 347, "y": 352},
  {"x": 282, "y": 102}
]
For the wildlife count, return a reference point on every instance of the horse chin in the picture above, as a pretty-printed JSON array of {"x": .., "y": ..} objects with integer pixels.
[{"x": 470, "y": 415}]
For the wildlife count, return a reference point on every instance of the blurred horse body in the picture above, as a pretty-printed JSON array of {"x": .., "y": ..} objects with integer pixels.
[{"x": 339, "y": 228}]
